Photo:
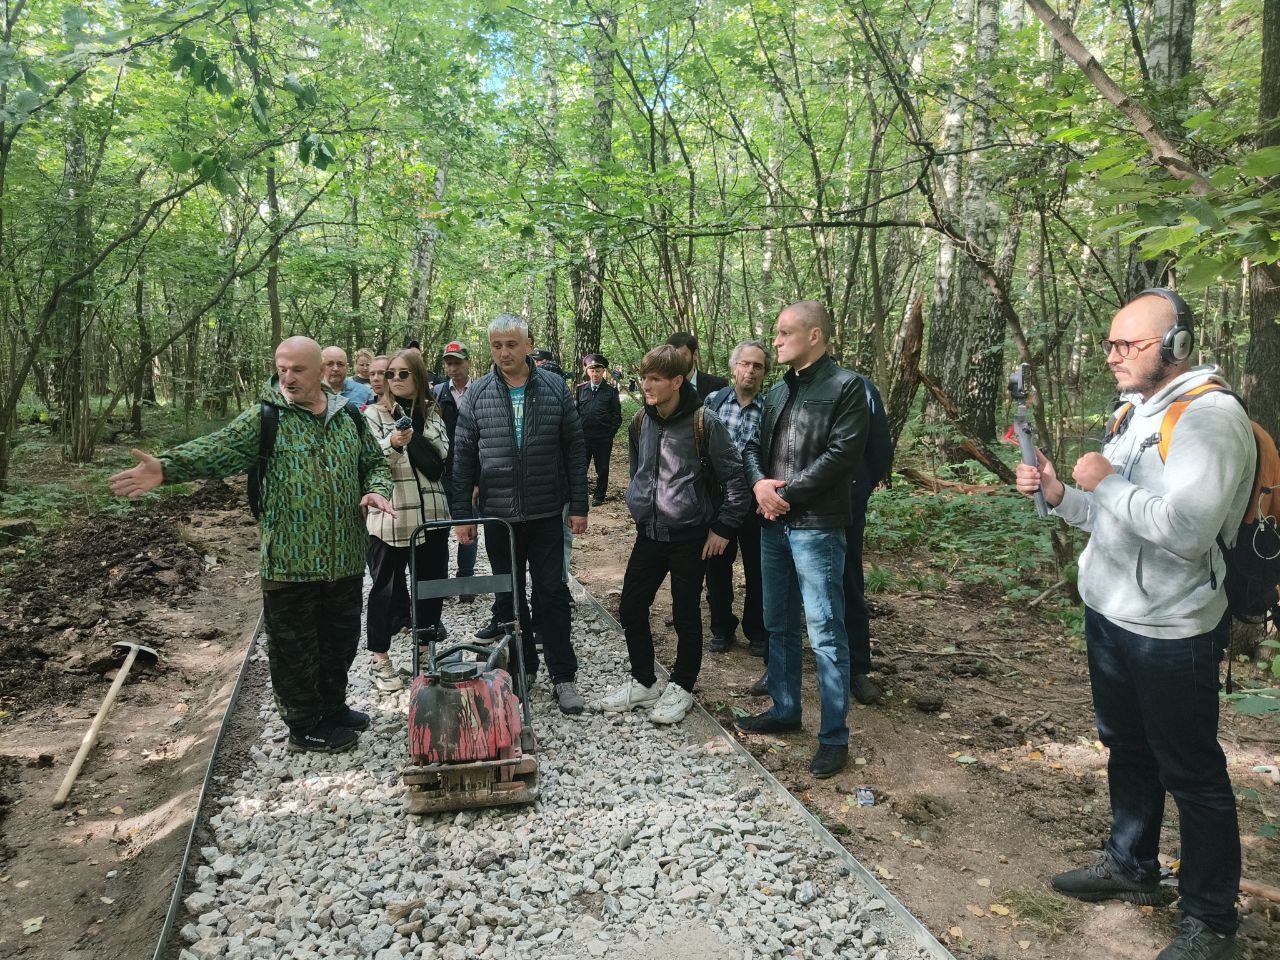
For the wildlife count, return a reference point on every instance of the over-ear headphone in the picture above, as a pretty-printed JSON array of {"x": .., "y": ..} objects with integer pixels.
[{"x": 1178, "y": 340}]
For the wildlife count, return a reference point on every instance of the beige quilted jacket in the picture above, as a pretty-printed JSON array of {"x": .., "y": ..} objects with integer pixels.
[{"x": 415, "y": 498}]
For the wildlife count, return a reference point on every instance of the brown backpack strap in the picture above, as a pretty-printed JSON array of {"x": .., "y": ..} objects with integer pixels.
[{"x": 633, "y": 430}]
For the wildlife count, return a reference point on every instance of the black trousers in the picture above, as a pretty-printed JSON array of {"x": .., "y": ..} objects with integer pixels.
[
  {"x": 1156, "y": 702},
  {"x": 313, "y": 632},
  {"x": 387, "y": 566},
  {"x": 746, "y": 539},
  {"x": 540, "y": 546},
  {"x": 857, "y": 622},
  {"x": 598, "y": 451},
  {"x": 651, "y": 561}
]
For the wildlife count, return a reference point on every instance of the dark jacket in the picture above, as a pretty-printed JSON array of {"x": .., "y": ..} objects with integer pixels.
[
  {"x": 877, "y": 462},
  {"x": 823, "y": 447},
  {"x": 600, "y": 410},
  {"x": 537, "y": 480},
  {"x": 443, "y": 392},
  {"x": 668, "y": 496},
  {"x": 709, "y": 383}
]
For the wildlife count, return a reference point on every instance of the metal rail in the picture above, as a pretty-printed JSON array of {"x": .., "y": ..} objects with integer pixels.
[
  {"x": 175, "y": 900},
  {"x": 905, "y": 917}
]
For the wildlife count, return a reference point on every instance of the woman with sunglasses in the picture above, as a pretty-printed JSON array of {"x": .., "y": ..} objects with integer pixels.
[{"x": 416, "y": 457}]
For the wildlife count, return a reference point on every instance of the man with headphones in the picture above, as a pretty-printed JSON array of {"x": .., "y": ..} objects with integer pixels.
[{"x": 1156, "y": 620}]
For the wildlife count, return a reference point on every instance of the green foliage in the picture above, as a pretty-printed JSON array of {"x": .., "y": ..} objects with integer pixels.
[{"x": 992, "y": 540}]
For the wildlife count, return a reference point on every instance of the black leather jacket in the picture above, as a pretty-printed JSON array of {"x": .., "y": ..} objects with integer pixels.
[{"x": 824, "y": 445}]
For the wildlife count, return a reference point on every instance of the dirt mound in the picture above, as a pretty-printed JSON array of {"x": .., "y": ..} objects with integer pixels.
[{"x": 57, "y": 625}]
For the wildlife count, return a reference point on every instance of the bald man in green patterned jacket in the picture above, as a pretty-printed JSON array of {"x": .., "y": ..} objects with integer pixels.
[{"x": 325, "y": 470}]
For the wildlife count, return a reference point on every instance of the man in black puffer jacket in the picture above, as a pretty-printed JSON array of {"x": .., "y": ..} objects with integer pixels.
[
  {"x": 520, "y": 431},
  {"x": 813, "y": 434}
]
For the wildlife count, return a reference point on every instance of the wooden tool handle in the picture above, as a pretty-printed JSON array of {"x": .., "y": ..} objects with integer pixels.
[{"x": 90, "y": 738}]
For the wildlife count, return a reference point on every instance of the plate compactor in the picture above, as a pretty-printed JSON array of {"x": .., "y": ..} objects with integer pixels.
[{"x": 471, "y": 741}]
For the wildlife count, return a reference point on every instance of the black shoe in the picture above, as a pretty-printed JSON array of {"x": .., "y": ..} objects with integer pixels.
[
  {"x": 351, "y": 719},
  {"x": 1104, "y": 880},
  {"x": 1195, "y": 941},
  {"x": 466, "y": 598},
  {"x": 766, "y": 723},
  {"x": 490, "y": 631},
  {"x": 828, "y": 761},
  {"x": 865, "y": 690},
  {"x": 761, "y": 687},
  {"x": 598, "y": 503},
  {"x": 720, "y": 644},
  {"x": 759, "y": 648},
  {"x": 323, "y": 738}
]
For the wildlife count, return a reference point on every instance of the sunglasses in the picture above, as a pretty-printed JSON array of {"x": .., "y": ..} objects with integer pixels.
[{"x": 399, "y": 374}]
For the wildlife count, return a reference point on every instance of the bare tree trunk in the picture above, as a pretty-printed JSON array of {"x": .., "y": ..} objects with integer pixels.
[
  {"x": 273, "y": 259},
  {"x": 1261, "y": 385},
  {"x": 588, "y": 273},
  {"x": 550, "y": 326},
  {"x": 948, "y": 315},
  {"x": 768, "y": 303},
  {"x": 422, "y": 265},
  {"x": 1169, "y": 41}
]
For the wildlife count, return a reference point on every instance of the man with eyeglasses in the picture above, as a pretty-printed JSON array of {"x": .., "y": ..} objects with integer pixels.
[
  {"x": 739, "y": 408},
  {"x": 1158, "y": 510}
]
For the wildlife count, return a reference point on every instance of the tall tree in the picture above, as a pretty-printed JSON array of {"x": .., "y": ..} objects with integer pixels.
[{"x": 587, "y": 272}]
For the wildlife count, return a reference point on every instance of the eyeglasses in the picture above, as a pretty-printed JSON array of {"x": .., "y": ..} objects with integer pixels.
[
  {"x": 1125, "y": 347},
  {"x": 406, "y": 374}
]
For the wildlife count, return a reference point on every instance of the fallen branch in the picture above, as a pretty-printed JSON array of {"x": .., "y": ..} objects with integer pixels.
[
  {"x": 1256, "y": 889},
  {"x": 937, "y": 484},
  {"x": 971, "y": 444},
  {"x": 1057, "y": 586}
]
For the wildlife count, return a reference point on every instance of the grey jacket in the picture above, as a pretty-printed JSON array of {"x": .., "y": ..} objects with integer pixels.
[
  {"x": 536, "y": 480},
  {"x": 668, "y": 496},
  {"x": 1152, "y": 564}
]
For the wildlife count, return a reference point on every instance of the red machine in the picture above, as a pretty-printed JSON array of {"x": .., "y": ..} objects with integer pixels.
[{"x": 471, "y": 740}]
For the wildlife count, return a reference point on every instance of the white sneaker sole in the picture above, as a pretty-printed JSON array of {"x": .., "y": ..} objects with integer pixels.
[
  {"x": 666, "y": 719},
  {"x": 603, "y": 707}
]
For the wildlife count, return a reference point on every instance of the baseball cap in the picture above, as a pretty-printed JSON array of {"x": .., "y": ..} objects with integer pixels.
[
  {"x": 455, "y": 349},
  {"x": 595, "y": 360}
]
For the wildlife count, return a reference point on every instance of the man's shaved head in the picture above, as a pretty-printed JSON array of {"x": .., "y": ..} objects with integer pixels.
[
  {"x": 1150, "y": 313},
  {"x": 299, "y": 366},
  {"x": 302, "y": 348},
  {"x": 810, "y": 314}
]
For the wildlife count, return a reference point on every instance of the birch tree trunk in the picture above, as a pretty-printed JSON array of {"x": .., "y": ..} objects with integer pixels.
[
  {"x": 422, "y": 264},
  {"x": 948, "y": 316},
  {"x": 550, "y": 325},
  {"x": 1169, "y": 41}
]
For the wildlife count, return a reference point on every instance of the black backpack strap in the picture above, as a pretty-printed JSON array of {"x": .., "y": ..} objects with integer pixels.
[
  {"x": 353, "y": 411},
  {"x": 268, "y": 426}
]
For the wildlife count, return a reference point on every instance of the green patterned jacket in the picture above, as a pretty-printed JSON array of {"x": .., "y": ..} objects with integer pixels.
[{"x": 311, "y": 524}]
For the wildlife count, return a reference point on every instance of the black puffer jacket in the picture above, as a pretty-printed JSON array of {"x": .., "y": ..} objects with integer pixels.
[
  {"x": 600, "y": 410},
  {"x": 536, "y": 480},
  {"x": 824, "y": 445},
  {"x": 668, "y": 496}
]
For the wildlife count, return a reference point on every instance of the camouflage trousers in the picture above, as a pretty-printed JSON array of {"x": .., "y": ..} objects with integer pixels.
[{"x": 313, "y": 633}]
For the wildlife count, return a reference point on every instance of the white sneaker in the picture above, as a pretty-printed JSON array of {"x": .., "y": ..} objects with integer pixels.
[
  {"x": 672, "y": 705},
  {"x": 385, "y": 676},
  {"x": 630, "y": 695}
]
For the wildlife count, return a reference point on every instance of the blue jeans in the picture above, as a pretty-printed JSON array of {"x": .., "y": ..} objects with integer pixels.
[
  {"x": 804, "y": 569},
  {"x": 1156, "y": 703}
]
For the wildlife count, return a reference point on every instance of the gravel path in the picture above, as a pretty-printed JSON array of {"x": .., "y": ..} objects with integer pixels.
[{"x": 647, "y": 842}]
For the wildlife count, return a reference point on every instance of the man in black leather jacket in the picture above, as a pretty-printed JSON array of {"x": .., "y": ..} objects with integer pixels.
[
  {"x": 812, "y": 437},
  {"x": 520, "y": 430}
]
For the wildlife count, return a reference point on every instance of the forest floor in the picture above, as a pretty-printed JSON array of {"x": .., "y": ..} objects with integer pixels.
[{"x": 977, "y": 801}]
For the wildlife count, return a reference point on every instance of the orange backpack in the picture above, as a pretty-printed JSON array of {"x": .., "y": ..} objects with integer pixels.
[{"x": 1253, "y": 561}]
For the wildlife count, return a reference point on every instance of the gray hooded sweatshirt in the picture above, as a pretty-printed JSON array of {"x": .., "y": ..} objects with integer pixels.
[{"x": 1152, "y": 565}]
